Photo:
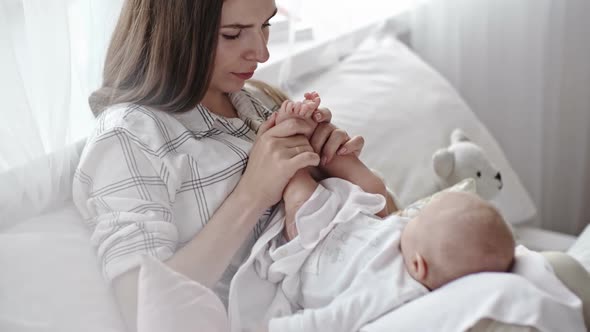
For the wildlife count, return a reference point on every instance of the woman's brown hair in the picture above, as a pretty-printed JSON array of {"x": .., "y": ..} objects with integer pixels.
[
  {"x": 274, "y": 93},
  {"x": 161, "y": 54}
]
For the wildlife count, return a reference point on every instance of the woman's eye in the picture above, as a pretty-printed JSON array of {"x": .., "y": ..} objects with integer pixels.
[
  {"x": 266, "y": 25},
  {"x": 232, "y": 37}
]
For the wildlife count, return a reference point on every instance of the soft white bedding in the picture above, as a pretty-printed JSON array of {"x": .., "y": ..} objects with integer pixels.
[
  {"x": 532, "y": 296},
  {"x": 50, "y": 279},
  {"x": 581, "y": 249}
]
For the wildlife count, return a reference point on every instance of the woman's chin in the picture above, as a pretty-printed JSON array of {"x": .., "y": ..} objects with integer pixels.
[
  {"x": 231, "y": 85},
  {"x": 234, "y": 87}
]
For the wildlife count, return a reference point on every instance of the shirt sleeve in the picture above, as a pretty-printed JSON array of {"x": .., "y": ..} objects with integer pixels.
[{"x": 120, "y": 189}]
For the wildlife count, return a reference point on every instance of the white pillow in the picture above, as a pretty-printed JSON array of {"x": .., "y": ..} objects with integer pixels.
[
  {"x": 580, "y": 250},
  {"x": 169, "y": 301},
  {"x": 50, "y": 279},
  {"x": 530, "y": 296},
  {"x": 38, "y": 187},
  {"x": 406, "y": 111},
  {"x": 51, "y": 282}
]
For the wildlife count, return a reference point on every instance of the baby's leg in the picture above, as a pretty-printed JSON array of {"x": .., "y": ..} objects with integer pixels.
[
  {"x": 298, "y": 191},
  {"x": 302, "y": 185},
  {"x": 351, "y": 168}
]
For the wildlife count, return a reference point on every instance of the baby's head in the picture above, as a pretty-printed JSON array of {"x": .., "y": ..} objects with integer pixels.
[{"x": 454, "y": 235}]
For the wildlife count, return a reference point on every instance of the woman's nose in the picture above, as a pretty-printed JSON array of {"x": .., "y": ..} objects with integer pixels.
[{"x": 258, "y": 49}]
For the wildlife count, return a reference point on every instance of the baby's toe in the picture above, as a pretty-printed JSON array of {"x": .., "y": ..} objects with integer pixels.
[
  {"x": 297, "y": 108},
  {"x": 317, "y": 100},
  {"x": 291, "y": 107},
  {"x": 284, "y": 107}
]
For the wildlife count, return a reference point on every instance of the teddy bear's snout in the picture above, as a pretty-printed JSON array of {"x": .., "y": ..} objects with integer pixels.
[{"x": 499, "y": 178}]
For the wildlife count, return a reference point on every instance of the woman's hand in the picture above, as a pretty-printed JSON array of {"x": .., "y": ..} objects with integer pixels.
[
  {"x": 328, "y": 140},
  {"x": 279, "y": 151}
]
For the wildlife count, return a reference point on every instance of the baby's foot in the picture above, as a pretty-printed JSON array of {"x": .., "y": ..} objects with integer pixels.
[{"x": 303, "y": 110}]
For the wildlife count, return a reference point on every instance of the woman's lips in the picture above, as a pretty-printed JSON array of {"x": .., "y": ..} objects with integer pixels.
[{"x": 244, "y": 76}]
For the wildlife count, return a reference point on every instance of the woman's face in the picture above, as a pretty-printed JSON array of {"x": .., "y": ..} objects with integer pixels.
[{"x": 242, "y": 42}]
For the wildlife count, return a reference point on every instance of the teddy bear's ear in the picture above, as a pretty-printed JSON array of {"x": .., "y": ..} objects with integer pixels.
[
  {"x": 443, "y": 162},
  {"x": 459, "y": 136}
]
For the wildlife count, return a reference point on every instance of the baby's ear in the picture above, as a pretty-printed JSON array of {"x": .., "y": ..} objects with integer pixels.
[{"x": 419, "y": 267}]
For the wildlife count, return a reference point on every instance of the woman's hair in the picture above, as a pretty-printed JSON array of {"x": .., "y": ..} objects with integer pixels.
[
  {"x": 275, "y": 94},
  {"x": 161, "y": 54}
]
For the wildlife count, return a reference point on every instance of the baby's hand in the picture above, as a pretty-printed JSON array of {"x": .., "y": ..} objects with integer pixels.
[{"x": 304, "y": 110}]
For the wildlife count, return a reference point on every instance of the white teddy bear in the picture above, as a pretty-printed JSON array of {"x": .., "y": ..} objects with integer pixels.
[{"x": 463, "y": 159}]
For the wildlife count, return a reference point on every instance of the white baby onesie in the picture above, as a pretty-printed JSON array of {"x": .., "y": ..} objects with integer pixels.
[
  {"x": 268, "y": 284},
  {"x": 353, "y": 271}
]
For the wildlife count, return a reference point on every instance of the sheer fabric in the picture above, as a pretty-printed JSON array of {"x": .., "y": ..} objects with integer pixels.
[{"x": 51, "y": 59}]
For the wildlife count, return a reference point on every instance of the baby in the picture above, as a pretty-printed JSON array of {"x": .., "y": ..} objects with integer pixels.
[{"x": 364, "y": 267}]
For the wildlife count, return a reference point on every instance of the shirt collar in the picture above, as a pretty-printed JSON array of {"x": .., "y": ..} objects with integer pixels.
[{"x": 250, "y": 112}]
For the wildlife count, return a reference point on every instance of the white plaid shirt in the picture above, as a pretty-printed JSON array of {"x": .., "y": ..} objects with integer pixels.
[{"x": 148, "y": 181}]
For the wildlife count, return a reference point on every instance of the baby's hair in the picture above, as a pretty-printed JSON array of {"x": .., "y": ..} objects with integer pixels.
[
  {"x": 489, "y": 240},
  {"x": 465, "y": 235}
]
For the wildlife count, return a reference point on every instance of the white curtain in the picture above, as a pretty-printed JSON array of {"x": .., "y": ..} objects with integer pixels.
[
  {"x": 51, "y": 59},
  {"x": 524, "y": 68}
]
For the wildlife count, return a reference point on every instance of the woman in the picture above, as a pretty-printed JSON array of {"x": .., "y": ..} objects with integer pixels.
[{"x": 175, "y": 168}]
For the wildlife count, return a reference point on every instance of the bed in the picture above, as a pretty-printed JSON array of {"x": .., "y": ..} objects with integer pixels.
[{"x": 50, "y": 279}]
